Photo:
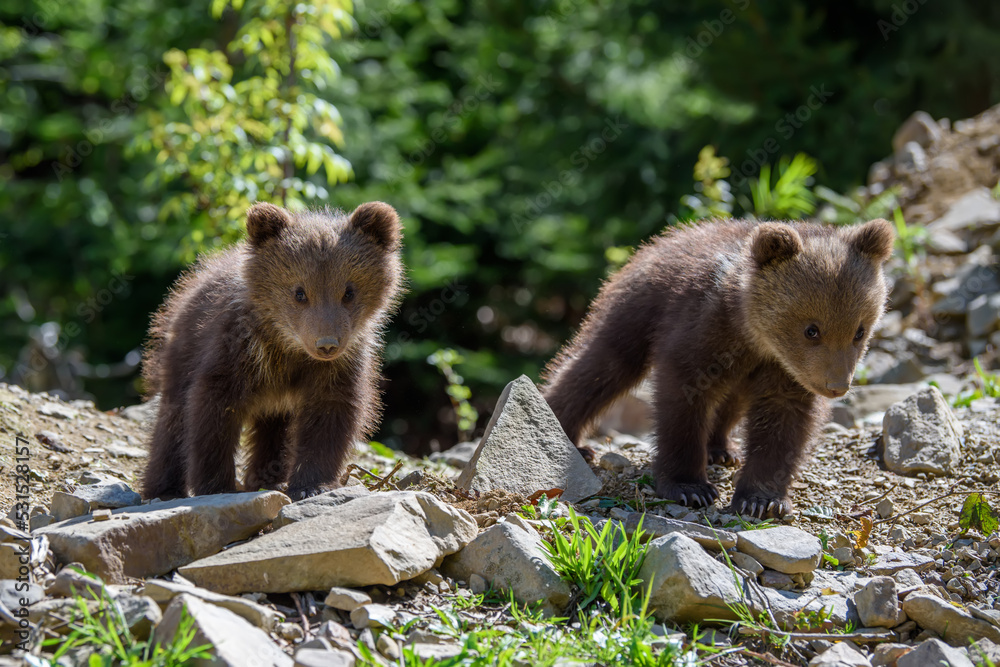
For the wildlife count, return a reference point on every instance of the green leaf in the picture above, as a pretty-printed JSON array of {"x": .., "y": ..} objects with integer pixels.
[
  {"x": 382, "y": 450},
  {"x": 978, "y": 515}
]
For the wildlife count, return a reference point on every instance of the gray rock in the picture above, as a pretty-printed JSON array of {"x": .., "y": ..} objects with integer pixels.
[
  {"x": 457, "y": 456},
  {"x": 153, "y": 539},
  {"x": 372, "y": 616},
  {"x": 956, "y": 625},
  {"x": 143, "y": 413},
  {"x": 436, "y": 652},
  {"x": 85, "y": 498},
  {"x": 907, "y": 578},
  {"x": 614, "y": 462},
  {"x": 911, "y": 158},
  {"x": 844, "y": 556},
  {"x": 840, "y": 655},
  {"x": 310, "y": 507},
  {"x": 71, "y": 583},
  {"x": 984, "y": 652},
  {"x": 234, "y": 642},
  {"x": 867, "y": 400},
  {"x": 66, "y": 506},
  {"x": 346, "y": 599},
  {"x": 887, "y": 653},
  {"x": 16, "y": 594},
  {"x": 657, "y": 526},
  {"x": 317, "y": 657},
  {"x": 263, "y": 617},
  {"x": 382, "y": 538},
  {"x": 687, "y": 585},
  {"x": 511, "y": 557},
  {"x": 921, "y": 434},
  {"x": 775, "y": 579},
  {"x": 524, "y": 449},
  {"x": 58, "y": 410},
  {"x": 984, "y": 314},
  {"x": 121, "y": 449},
  {"x": 946, "y": 242},
  {"x": 878, "y": 606},
  {"x": 783, "y": 548},
  {"x": 895, "y": 561},
  {"x": 920, "y": 127},
  {"x": 978, "y": 208},
  {"x": 934, "y": 653},
  {"x": 746, "y": 563},
  {"x": 141, "y": 613}
]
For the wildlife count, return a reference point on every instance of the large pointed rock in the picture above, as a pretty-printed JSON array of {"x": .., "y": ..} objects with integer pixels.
[
  {"x": 922, "y": 434},
  {"x": 147, "y": 540},
  {"x": 525, "y": 449},
  {"x": 232, "y": 641},
  {"x": 382, "y": 538}
]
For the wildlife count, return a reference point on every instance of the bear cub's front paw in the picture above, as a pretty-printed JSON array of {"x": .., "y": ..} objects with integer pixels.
[
  {"x": 760, "y": 505},
  {"x": 297, "y": 493},
  {"x": 692, "y": 494}
]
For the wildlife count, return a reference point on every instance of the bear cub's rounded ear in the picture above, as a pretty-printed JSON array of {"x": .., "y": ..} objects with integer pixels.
[
  {"x": 774, "y": 242},
  {"x": 265, "y": 221},
  {"x": 873, "y": 239},
  {"x": 379, "y": 221}
]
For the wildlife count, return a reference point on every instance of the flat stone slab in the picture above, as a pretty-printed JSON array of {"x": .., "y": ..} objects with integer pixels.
[
  {"x": 263, "y": 617},
  {"x": 525, "y": 449},
  {"x": 895, "y": 561},
  {"x": 658, "y": 526},
  {"x": 783, "y": 548},
  {"x": 382, "y": 538},
  {"x": 148, "y": 540}
]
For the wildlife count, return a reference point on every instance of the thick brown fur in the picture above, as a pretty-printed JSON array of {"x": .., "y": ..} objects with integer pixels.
[
  {"x": 719, "y": 312},
  {"x": 280, "y": 333}
]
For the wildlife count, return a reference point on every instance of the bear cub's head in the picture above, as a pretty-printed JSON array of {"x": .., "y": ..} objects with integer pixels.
[
  {"x": 815, "y": 295},
  {"x": 323, "y": 281}
]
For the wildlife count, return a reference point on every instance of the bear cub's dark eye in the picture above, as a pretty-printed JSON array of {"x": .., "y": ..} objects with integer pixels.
[
  {"x": 349, "y": 293},
  {"x": 300, "y": 295},
  {"x": 860, "y": 334},
  {"x": 812, "y": 332}
]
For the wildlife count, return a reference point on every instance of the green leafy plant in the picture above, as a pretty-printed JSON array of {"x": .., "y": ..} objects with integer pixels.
[
  {"x": 238, "y": 133},
  {"x": 850, "y": 209},
  {"x": 978, "y": 515},
  {"x": 989, "y": 387},
  {"x": 445, "y": 361},
  {"x": 911, "y": 242},
  {"x": 603, "y": 565},
  {"x": 790, "y": 198},
  {"x": 107, "y": 634},
  {"x": 713, "y": 197}
]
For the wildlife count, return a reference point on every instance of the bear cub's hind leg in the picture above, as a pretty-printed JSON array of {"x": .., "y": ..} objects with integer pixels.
[{"x": 721, "y": 450}]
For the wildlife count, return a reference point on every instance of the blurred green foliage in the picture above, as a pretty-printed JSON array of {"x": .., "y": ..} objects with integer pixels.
[{"x": 528, "y": 146}]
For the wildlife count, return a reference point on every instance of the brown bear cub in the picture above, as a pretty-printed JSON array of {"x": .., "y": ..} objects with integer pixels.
[
  {"x": 735, "y": 318},
  {"x": 281, "y": 333}
]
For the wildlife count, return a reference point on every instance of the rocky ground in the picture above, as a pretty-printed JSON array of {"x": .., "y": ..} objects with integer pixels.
[{"x": 443, "y": 560}]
